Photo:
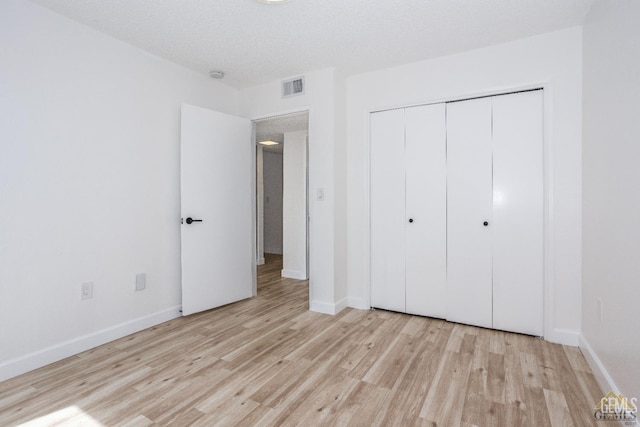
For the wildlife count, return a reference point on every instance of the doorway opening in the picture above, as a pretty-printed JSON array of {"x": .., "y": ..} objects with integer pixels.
[{"x": 282, "y": 205}]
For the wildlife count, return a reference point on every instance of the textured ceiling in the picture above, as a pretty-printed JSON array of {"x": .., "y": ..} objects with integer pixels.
[
  {"x": 273, "y": 129},
  {"x": 254, "y": 42}
]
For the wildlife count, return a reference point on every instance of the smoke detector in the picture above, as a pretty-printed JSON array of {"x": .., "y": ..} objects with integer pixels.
[{"x": 216, "y": 74}]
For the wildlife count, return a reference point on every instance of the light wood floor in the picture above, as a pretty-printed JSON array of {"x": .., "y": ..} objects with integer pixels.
[{"x": 270, "y": 361}]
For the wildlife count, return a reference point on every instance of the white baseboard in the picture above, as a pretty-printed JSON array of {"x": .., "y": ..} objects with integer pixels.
[
  {"x": 357, "y": 303},
  {"x": 273, "y": 251},
  {"x": 563, "y": 336},
  {"x": 341, "y": 305},
  {"x": 599, "y": 371},
  {"x": 328, "y": 308},
  {"x": 260, "y": 261},
  {"x": 293, "y": 274},
  {"x": 37, "y": 359}
]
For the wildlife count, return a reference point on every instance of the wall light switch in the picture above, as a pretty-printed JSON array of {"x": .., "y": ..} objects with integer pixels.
[
  {"x": 141, "y": 281},
  {"x": 320, "y": 194}
]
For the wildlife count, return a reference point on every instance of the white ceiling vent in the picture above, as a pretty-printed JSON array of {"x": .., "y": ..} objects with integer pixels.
[{"x": 293, "y": 87}]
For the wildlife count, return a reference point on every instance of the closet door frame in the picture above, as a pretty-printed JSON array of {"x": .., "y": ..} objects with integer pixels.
[{"x": 549, "y": 332}]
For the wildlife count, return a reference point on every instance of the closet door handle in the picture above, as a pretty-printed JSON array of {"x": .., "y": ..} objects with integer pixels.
[
  {"x": 410, "y": 219},
  {"x": 485, "y": 223}
]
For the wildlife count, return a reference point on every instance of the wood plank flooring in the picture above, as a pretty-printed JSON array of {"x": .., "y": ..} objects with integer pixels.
[{"x": 269, "y": 361}]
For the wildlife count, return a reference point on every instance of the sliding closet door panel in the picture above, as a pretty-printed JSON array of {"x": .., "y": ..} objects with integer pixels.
[
  {"x": 518, "y": 212},
  {"x": 387, "y": 210},
  {"x": 426, "y": 218},
  {"x": 469, "y": 207}
]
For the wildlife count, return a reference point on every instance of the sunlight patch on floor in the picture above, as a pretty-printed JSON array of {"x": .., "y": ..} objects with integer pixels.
[{"x": 71, "y": 415}]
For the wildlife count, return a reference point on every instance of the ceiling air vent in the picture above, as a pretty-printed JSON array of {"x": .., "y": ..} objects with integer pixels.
[{"x": 293, "y": 87}]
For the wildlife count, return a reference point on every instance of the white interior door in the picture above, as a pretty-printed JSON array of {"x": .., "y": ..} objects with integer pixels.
[
  {"x": 469, "y": 208},
  {"x": 216, "y": 169},
  {"x": 387, "y": 210},
  {"x": 426, "y": 211},
  {"x": 518, "y": 212}
]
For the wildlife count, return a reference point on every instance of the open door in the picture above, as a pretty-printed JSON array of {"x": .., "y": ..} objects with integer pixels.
[{"x": 216, "y": 168}]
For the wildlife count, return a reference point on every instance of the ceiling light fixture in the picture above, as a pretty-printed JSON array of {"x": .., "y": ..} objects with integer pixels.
[
  {"x": 216, "y": 74},
  {"x": 269, "y": 143}
]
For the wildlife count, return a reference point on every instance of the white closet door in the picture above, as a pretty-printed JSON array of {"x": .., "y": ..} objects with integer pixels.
[
  {"x": 469, "y": 195},
  {"x": 387, "y": 210},
  {"x": 518, "y": 212},
  {"x": 426, "y": 218}
]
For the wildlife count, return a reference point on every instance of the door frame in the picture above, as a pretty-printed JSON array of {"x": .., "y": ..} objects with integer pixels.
[
  {"x": 276, "y": 115},
  {"x": 254, "y": 213},
  {"x": 548, "y": 186}
]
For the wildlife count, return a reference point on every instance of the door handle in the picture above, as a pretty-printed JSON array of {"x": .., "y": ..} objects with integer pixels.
[
  {"x": 190, "y": 220},
  {"x": 485, "y": 223}
]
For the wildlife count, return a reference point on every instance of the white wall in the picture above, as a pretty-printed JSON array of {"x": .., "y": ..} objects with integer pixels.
[
  {"x": 320, "y": 100},
  {"x": 611, "y": 206},
  {"x": 272, "y": 178},
  {"x": 294, "y": 260},
  {"x": 89, "y": 184},
  {"x": 340, "y": 190},
  {"x": 552, "y": 60}
]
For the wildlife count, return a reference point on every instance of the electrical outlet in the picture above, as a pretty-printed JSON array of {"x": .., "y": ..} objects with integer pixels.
[
  {"x": 86, "y": 290},
  {"x": 141, "y": 281}
]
